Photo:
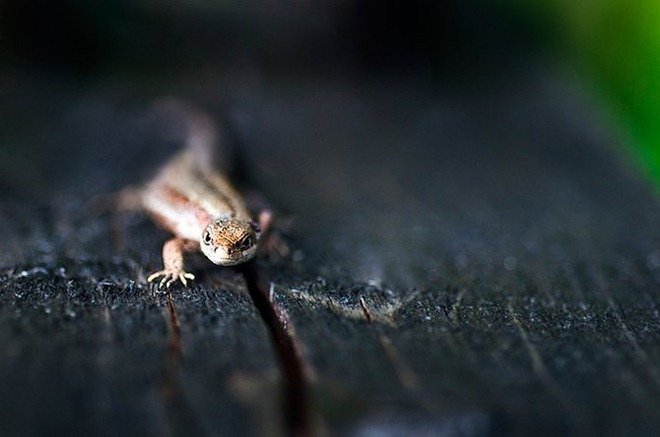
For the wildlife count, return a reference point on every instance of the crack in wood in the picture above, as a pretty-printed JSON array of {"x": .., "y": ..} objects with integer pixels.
[
  {"x": 181, "y": 417},
  {"x": 535, "y": 357},
  {"x": 385, "y": 315},
  {"x": 292, "y": 367},
  {"x": 543, "y": 373},
  {"x": 453, "y": 313},
  {"x": 175, "y": 332},
  {"x": 404, "y": 371},
  {"x": 647, "y": 363}
]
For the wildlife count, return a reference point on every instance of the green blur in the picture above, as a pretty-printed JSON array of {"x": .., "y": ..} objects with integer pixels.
[{"x": 618, "y": 43}]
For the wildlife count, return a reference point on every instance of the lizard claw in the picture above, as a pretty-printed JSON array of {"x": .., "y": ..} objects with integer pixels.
[{"x": 168, "y": 277}]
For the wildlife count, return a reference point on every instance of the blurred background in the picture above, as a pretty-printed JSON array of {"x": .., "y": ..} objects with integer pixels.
[{"x": 613, "y": 47}]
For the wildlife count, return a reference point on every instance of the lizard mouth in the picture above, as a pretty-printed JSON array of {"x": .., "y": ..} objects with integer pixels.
[{"x": 223, "y": 257}]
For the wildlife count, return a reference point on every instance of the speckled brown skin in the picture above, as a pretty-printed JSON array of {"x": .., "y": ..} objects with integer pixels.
[{"x": 199, "y": 206}]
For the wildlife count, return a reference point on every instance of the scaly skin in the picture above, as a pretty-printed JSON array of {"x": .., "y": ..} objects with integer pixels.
[{"x": 199, "y": 206}]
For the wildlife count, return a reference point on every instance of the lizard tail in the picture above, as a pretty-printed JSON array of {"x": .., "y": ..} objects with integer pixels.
[{"x": 203, "y": 135}]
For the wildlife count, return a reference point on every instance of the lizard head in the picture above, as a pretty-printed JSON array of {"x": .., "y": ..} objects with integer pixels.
[{"x": 230, "y": 241}]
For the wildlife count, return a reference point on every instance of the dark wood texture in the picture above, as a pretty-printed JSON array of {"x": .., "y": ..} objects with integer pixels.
[{"x": 469, "y": 256}]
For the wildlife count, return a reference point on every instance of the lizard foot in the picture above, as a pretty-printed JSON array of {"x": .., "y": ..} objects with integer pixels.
[{"x": 168, "y": 277}]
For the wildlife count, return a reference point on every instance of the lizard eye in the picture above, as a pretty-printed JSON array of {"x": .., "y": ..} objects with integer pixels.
[
  {"x": 207, "y": 237},
  {"x": 246, "y": 243}
]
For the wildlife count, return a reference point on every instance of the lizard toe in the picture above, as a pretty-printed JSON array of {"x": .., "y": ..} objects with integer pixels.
[
  {"x": 169, "y": 277},
  {"x": 152, "y": 277}
]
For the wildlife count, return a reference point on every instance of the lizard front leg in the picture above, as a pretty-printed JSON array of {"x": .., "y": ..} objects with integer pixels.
[{"x": 173, "y": 251}]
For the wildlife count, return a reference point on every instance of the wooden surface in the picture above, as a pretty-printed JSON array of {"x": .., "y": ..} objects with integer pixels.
[{"x": 470, "y": 257}]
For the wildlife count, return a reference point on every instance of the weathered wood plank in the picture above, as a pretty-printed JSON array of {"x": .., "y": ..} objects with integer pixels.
[
  {"x": 471, "y": 258},
  {"x": 507, "y": 258}
]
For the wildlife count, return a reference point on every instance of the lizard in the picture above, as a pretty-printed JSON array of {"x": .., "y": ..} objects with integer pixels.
[{"x": 191, "y": 197}]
